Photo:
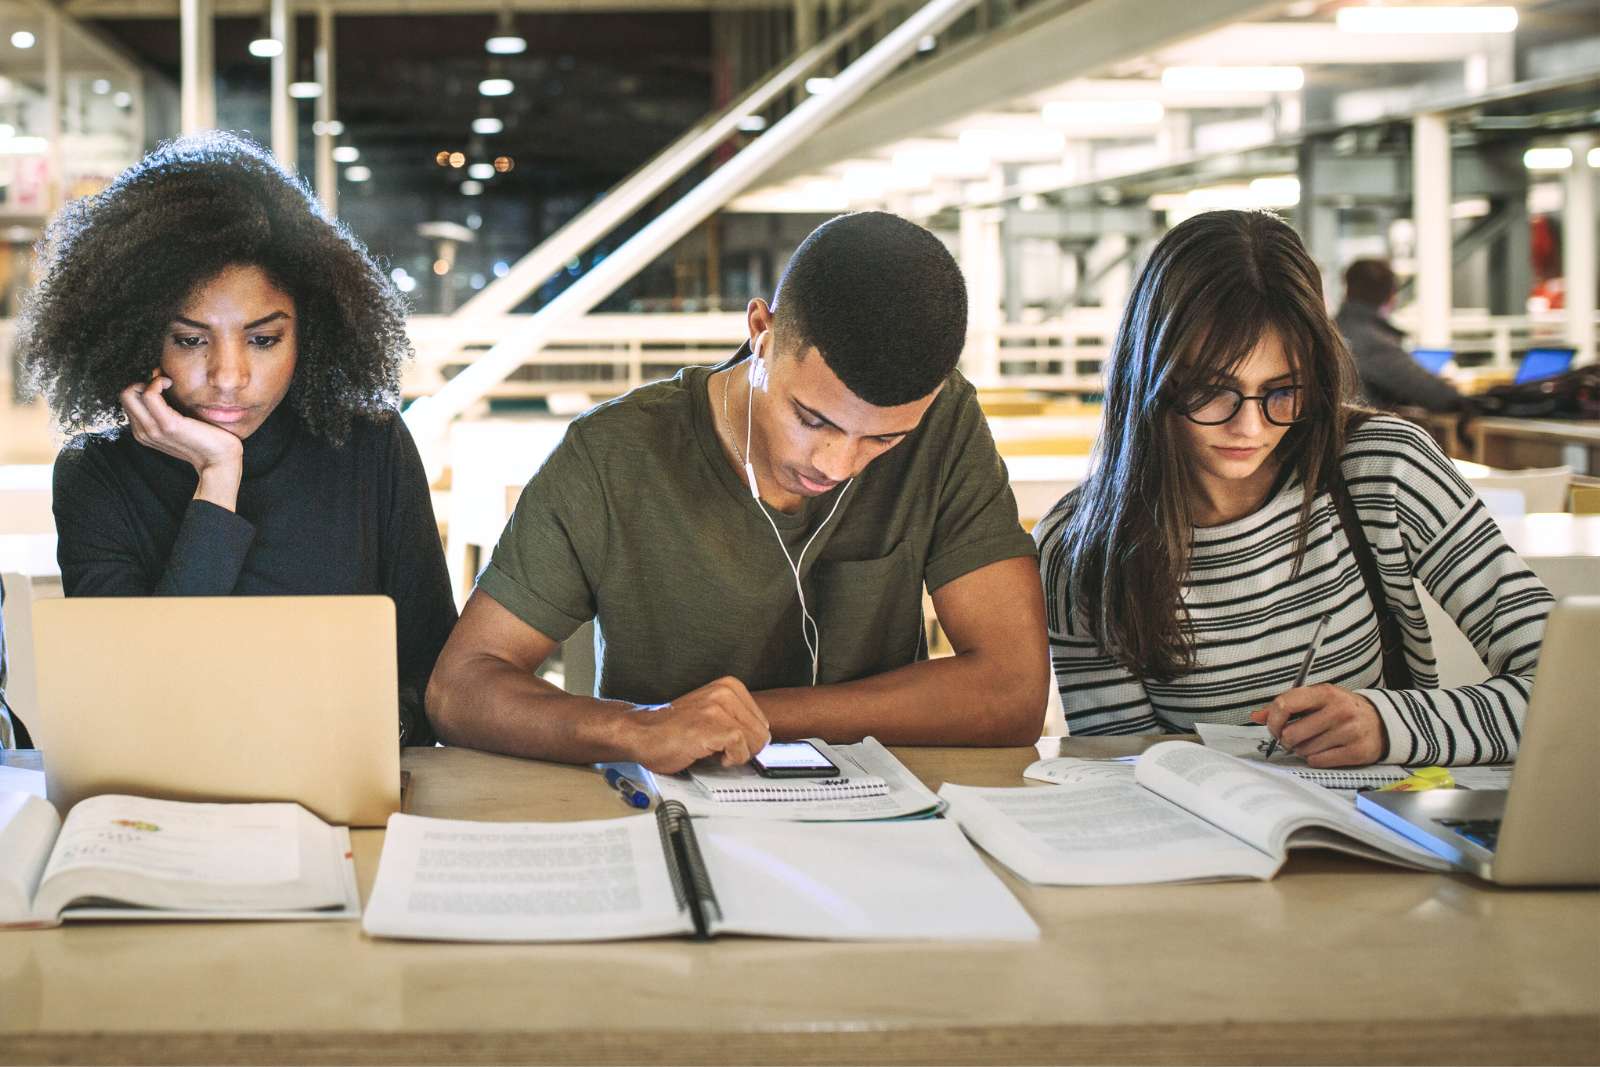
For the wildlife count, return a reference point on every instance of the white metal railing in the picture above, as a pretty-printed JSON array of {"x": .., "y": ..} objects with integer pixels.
[{"x": 1477, "y": 333}]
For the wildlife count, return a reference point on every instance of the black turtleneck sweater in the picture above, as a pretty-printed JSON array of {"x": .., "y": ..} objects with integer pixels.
[{"x": 313, "y": 519}]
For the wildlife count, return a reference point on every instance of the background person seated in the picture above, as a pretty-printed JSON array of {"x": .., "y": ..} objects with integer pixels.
[{"x": 1390, "y": 378}]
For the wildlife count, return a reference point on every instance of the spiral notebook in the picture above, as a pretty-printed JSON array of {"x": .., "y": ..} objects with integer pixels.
[
  {"x": 872, "y": 784},
  {"x": 669, "y": 875},
  {"x": 742, "y": 784},
  {"x": 1250, "y": 743}
]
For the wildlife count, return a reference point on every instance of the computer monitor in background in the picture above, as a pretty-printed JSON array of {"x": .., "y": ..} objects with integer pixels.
[
  {"x": 1432, "y": 359},
  {"x": 1544, "y": 363}
]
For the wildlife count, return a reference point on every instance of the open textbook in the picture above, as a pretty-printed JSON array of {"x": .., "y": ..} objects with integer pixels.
[
  {"x": 669, "y": 874},
  {"x": 894, "y": 792},
  {"x": 1182, "y": 812},
  {"x": 123, "y": 857}
]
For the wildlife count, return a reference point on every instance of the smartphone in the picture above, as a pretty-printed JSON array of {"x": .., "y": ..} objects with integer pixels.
[{"x": 793, "y": 759}]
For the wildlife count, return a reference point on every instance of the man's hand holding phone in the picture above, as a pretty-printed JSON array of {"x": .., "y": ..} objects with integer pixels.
[{"x": 719, "y": 719}]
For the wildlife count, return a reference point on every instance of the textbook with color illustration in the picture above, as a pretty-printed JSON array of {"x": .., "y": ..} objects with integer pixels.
[
  {"x": 124, "y": 857},
  {"x": 1180, "y": 813}
]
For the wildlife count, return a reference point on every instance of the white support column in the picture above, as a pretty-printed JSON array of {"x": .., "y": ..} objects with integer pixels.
[
  {"x": 1430, "y": 209},
  {"x": 285, "y": 131},
  {"x": 982, "y": 261},
  {"x": 197, "y": 90},
  {"x": 327, "y": 177},
  {"x": 1578, "y": 248},
  {"x": 55, "y": 107}
]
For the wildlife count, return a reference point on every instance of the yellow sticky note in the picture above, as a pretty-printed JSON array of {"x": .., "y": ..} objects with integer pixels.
[{"x": 1422, "y": 778}]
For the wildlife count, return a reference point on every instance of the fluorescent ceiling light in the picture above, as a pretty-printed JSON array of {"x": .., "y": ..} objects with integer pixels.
[
  {"x": 1015, "y": 145},
  {"x": 305, "y": 90},
  {"x": 481, "y": 171},
  {"x": 346, "y": 153},
  {"x": 471, "y": 187},
  {"x": 1426, "y": 19},
  {"x": 1593, "y": 159},
  {"x": 100, "y": 86},
  {"x": 752, "y": 124},
  {"x": 1278, "y": 191},
  {"x": 505, "y": 45},
  {"x": 1103, "y": 112},
  {"x": 488, "y": 125},
  {"x": 23, "y": 146},
  {"x": 123, "y": 99},
  {"x": 23, "y": 39},
  {"x": 266, "y": 47},
  {"x": 1234, "y": 79},
  {"x": 1547, "y": 158},
  {"x": 357, "y": 174},
  {"x": 942, "y": 159},
  {"x": 332, "y": 128},
  {"x": 495, "y": 87},
  {"x": 818, "y": 86}
]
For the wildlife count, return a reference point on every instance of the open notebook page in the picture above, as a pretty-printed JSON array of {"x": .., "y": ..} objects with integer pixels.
[
  {"x": 1100, "y": 829},
  {"x": 478, "y": 881}
]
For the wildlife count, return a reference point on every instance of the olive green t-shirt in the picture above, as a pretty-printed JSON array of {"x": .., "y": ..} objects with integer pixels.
[{"x": 638, "y": 521}]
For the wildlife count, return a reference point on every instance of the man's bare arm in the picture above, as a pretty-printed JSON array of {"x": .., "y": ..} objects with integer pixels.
[
  {"x": 991, "y": 692},
  {"x": 485, "y": 693}
]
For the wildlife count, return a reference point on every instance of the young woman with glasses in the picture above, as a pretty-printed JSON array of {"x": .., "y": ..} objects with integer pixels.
[{"x": 1236, "y": 497}]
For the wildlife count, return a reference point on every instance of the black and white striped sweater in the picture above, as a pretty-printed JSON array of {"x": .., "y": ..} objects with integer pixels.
[{"x": 1252, "y": 616}]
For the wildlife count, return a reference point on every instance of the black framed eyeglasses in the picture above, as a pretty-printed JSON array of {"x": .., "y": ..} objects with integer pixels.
[{"x": 1217, "y": 404}]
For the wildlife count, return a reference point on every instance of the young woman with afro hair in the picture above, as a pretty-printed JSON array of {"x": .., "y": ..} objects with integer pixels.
[{"x": 229, "y": 359}]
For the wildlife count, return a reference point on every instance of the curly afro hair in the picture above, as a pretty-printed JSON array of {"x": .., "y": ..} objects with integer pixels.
[{"x": 116, "y": 267}]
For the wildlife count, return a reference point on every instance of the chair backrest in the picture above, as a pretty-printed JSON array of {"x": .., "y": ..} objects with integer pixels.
[
  {"x": 1543, "y": 489},
  {"x": 1504, "y": 502}
]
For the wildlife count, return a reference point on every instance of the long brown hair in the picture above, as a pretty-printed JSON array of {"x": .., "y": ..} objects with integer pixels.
[{"x": 1213, "y": 286}]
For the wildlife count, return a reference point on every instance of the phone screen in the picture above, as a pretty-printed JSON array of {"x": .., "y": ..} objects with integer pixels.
[{"x": 793, "y": 758}]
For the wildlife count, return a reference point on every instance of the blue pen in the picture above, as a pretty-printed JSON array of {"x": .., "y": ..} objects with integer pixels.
[{"x": 624, "y": 785}]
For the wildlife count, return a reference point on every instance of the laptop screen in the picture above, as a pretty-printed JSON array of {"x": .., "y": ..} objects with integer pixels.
[
  {"x": 1432, "y": 359},
  {"x": 1544, "y": 363}
]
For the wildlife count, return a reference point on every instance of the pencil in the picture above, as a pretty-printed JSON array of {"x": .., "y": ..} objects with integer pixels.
[{"x": 1305, "y": 667}]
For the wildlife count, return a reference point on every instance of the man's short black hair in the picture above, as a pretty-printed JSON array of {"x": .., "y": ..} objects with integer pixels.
[
  {"x": 882, "y": 300},
  {"x": 1369, "y": 281}
]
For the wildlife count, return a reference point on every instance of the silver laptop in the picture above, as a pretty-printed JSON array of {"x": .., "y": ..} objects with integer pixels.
[
  {"x": 1545, "y": 829},
  {"x": 221, "y": 699}
]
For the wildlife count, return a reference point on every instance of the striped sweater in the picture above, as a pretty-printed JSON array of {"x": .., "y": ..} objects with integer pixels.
[{"x": 1252, "y": 616}]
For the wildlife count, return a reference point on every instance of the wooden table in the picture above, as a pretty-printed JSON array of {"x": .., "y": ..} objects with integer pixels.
[{"x": 1337, "y": 960}]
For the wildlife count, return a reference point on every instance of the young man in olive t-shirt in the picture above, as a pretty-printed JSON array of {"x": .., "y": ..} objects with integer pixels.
[{"x": 874, "y": 474}]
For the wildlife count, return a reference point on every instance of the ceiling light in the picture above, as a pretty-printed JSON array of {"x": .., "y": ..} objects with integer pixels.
[
  {"x": 941, "y": 159},
  {"x": 507, "y": 45},
  {"x": 266, "y": 47},
  {"x": 1234, "y": 79},
  {"x": 457, "y": 159},
  {"x": 504, "y": 164},
  {"x": 1593, "y": 159},
  {"x": 495, "y": 87},
  {"x": 818, "y": 86},
  {"x": 331, "y": 128},
  {"x": 1426, "y": 19},
  {"x": 100, "y": 86},
  {"x": 1015, "y": 145},
  {"x": 1103, "y": 112},
  {"x": 488, "y": 125},
  {"x": 7, "y": 131},
  {"x": 22, "y": 39},
  {"x": 927, "y": 43},
  {"x": 123, "y": 99},
  {"x": 346, "y": 153},
  {"x": 752, "y": 124},
  {"x": 1547, "y": 158},
  {"x": 305, "y": 90},
  {"x": 471, "y": 188},
  {"x": 357, "y": 174},
  {"x": 1277, "y": 191},
  {"x": 481, "y": 170},
  {"x": 23, "y": 146}
]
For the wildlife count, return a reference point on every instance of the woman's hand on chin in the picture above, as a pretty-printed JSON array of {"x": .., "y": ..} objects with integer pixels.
[{"x": 215, "y": 454}]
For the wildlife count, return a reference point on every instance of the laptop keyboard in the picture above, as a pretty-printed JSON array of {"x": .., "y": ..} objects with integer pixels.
[{"x": 1482, "y": 832}]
